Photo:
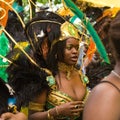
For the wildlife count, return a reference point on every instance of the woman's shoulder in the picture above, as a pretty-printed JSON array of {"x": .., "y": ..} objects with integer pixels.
[
  {"x": 113, "y": 84},
  {"x": 106, "y": 86},
  {"x": 105, "y": 98},
  {"x": 104, "y": 90}
]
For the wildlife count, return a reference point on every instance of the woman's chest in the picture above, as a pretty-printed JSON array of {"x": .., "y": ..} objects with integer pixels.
[{"x": 76, "y": 90}]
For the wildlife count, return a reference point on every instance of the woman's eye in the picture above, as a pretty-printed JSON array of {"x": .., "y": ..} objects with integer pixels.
[
  {"x": 69, "y": 47},
  {"x": 77, "y": 47}
]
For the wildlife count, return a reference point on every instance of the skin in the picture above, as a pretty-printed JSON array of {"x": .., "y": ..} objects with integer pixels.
[
  {"x": 11, "y": 116},
  {"x": 45, "y": 48},
  {"x": 104, "y": 100},
  {"x": 70, "y": 87},
  {"x": 71, "y": 51}
]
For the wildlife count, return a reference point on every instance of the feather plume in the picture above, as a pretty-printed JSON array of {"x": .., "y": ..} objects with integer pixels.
[{"x": 93, "y": 33}]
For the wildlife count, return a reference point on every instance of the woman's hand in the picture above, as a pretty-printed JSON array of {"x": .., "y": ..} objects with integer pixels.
[
  {"x": 11, "y": 116},
  {"x": 71, "y": 108}
]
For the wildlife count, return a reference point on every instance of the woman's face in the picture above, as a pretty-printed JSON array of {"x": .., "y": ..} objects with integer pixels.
[{"x": 71, "y": 51}]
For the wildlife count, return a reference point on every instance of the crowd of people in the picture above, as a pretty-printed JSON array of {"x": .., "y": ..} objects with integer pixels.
[{"x": 44, "y": 82}]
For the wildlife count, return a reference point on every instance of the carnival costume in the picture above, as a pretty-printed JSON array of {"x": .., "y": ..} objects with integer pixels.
[
  {"x": 57, "y": 97},
  {"x": 24, "y": 76},
  {"x": 25, "y": 72}
]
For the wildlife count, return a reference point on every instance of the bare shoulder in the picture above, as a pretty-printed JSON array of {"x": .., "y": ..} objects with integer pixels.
[
  {"x": 105, "y": 90},
  {"x": 105, "y": 99}
]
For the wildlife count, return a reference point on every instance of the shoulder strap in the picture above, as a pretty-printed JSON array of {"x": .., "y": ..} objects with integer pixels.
[{"x": 111, "y": 84}]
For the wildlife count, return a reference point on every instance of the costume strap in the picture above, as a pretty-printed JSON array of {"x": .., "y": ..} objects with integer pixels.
[
  {"x": 36, "y": 106},
  {"x": 111, "y": 84}
]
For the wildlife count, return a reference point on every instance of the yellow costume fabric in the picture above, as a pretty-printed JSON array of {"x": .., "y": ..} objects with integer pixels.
[{"x": 57, "y": 97}]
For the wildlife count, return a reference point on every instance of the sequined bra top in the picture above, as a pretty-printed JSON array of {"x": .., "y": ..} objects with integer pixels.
[{"x": 57, "y": 97}]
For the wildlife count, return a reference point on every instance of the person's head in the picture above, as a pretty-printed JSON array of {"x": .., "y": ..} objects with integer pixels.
[
  {"x": 114, "y": 36},
  {"x": 65, "y": 50},
  {"x": 42, "y": 30}
]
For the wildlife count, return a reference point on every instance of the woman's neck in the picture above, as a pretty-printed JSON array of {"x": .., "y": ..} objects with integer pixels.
[{"x": 67, "y": 69}]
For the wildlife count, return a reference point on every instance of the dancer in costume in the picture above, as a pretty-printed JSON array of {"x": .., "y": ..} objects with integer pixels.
[
  {"x": 41, "y": 31},
  {"x": 68, "y": 90},
  {"x": 24, "y": 68},
  {"x": 108, "y": 90}
]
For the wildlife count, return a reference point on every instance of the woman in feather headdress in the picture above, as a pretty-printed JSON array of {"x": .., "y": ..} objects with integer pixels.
[
  {"x": 57, "y": 104},
  {"x": 26, "y": 72}
]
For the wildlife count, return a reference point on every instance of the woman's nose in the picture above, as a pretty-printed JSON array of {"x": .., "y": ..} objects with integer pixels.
[{"x": 74, "y": 50}]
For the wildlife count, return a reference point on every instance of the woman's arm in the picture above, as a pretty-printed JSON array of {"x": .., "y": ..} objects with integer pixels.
[
  {"x": 36, "y": 107},
  {"x": 11, "y": 116},
  {"x": 37, "y": 111},
  {"x": 66, "y": 109}
]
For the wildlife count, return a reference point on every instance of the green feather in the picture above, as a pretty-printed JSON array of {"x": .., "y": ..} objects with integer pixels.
[
  {"x": 100, "y": 47},
  {"x": 4, "y": 49}
]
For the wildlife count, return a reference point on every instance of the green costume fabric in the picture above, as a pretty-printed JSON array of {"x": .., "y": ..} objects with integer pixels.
[
  {"x": 100, "y": 47},
  {"x": 56, "y": 97},
  {"x": 4, "y": 49}
]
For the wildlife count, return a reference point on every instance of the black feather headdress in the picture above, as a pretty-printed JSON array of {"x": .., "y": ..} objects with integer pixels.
[{"x": 27, "y": 80}]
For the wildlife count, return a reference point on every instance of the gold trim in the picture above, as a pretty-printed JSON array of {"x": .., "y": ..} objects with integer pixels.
[
  {"x": 4, "y": 13},
  {"x": 10, "y": 2},
  {"x": 49, "y": 116},
  {"x": 68, "y": 30},
  {"x": 15, "y": 12},
  {"x": 36, "y": 106},
  {"x": 62, "y": 96},
  {"x": 5, "y": 58},
  {"x": 56, "y": 98},
  {"x": 29, "y": 2},
  {"x": 43, "y": 21},
  {"x": 20, "y": 48},
  {"x": 66, "y": 68},
  {"x": 39, "y": 21}
]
